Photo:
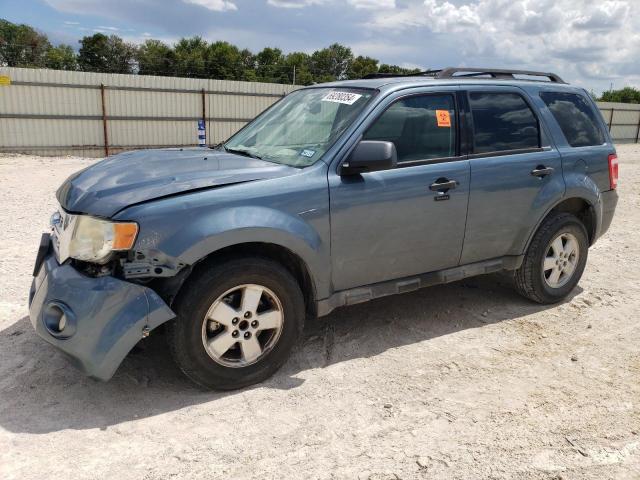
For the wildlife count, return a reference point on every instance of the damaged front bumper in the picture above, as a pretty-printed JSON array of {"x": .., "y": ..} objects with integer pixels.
[{"x": 94, "y": 321}]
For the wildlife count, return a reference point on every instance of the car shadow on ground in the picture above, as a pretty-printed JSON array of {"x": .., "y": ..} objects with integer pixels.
[{"x": 40, "y": 392}]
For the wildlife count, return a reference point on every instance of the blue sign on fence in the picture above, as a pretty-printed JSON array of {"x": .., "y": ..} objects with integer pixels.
[{"x": 202, "y": 134}]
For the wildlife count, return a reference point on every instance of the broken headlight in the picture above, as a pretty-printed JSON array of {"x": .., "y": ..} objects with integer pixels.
[{"x": 94, "y": 239}]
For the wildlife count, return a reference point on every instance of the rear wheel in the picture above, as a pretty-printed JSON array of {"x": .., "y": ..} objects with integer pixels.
[
  {"x": 555, "y": 259},
  {"x": 237, "y": 323}
]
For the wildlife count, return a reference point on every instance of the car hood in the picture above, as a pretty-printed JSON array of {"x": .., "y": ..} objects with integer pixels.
[{"x": 116, "y": 182}]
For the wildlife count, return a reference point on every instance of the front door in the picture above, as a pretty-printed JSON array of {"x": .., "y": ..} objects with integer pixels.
[{"x": 410, "y": 219}]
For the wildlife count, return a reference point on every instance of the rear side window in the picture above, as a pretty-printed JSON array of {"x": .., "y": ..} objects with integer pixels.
[
  {"x": 502, "y": 121},
  {"x": 421, "y": 127},
  {"x": 576, "y": 118}
]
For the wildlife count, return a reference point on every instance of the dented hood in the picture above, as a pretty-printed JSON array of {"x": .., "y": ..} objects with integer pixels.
[{"x": 116, "y": 182}]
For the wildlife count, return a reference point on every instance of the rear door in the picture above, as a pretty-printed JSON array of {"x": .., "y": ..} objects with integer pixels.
[
  {"x": 397, "y": 223},
  {"x": 516, "y": 172}
]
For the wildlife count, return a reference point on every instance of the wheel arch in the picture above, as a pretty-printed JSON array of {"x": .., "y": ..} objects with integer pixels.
[
  {"x": 585, "y": 209},
  {"x": 282, "y": 255}
]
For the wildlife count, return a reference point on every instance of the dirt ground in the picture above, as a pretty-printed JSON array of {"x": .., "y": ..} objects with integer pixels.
[{"x": 463, "y": 381}]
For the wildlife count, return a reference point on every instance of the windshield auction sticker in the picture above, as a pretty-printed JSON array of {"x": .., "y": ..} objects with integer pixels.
[
  {"x": 444, "y": 119},
  {"x": 347, "y": 98}
]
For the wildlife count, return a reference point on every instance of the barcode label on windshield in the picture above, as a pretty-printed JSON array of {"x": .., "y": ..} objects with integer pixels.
[{"x": 347, "y": 98}]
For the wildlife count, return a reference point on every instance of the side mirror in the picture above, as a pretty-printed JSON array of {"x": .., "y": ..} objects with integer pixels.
[{"x": 370, "y": 156}]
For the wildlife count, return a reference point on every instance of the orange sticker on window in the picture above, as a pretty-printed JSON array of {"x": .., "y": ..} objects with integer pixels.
[{"x": 443, "y": 117}]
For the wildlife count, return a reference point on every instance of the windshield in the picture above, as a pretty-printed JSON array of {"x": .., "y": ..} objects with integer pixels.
[{"x": 298, "y": 130}]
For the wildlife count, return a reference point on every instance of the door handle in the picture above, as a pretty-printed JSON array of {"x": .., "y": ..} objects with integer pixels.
[
  {"x": 442, "y": 184},
  {"x": 542, "y": 171}
]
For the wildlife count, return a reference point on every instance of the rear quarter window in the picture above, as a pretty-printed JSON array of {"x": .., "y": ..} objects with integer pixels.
[{"x": 576, "y": 118}]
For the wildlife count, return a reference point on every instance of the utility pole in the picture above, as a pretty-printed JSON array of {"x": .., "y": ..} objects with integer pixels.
[{"x": 294, "y": 74}]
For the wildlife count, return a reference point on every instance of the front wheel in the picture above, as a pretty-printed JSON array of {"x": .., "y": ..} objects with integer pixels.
[
  {"x": 237, "y": 323},
  {"x": 555, "y": 260}
]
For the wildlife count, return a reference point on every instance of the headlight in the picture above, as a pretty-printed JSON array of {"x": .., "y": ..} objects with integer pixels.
[{"x": 94, "y": 239}]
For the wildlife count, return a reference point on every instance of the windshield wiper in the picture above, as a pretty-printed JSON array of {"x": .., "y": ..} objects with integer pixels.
[{"x": 239, "y": 151}]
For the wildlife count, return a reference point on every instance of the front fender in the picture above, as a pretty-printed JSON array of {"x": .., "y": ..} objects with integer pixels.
[
  {"x": 238, "y": 225},
  {"x": 182, "y": 230},
  {"x": 199, "y": 233}
]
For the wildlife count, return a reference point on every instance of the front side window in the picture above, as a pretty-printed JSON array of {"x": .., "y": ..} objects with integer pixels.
[
  {"x": 300, "y": 128},
  {"x": 502, "y": 121},
  {"x": 576, "y": 118},
  {"x": 421, "y": 127}
]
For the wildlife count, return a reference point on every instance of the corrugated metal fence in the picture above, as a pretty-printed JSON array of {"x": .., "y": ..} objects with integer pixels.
[
  {"x": 51, "y": 112},
  {"x": 623, "y": 120}
]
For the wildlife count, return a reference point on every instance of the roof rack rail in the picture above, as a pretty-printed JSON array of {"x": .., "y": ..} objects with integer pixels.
[
  {"x": 391, "y": 75},
  {"x": 450, "y": 72}
]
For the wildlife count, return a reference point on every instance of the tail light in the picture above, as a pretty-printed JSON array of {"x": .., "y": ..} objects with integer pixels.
[{"x": 613, "y": 171}]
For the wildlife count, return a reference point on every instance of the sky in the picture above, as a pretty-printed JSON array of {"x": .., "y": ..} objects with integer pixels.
[{"x": 591, "y": 43}]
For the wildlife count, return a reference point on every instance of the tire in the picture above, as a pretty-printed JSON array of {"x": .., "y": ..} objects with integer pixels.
[
  {"x": 211, "y": 292},
  {"x": 547, "y": 285}
]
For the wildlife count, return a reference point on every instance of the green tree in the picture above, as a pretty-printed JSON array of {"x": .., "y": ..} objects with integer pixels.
[
  {"x": 270, "y": 66},
  {"x": 331, "y": 63},
  {"x": 99, "y": 53},
  {"x": 302, "y": 63},
  {"x": 224, "y": 61},
  {"x": 248, "y": 62},
  {"x": 191, "y": 57},
  {"x": 61, "y": 57},
  {"x": 361, "y": 66},
  {"x": 396, "y": 70},
  {"x": 624, "y": 95},
  {"x": 156, "y": 58},
  {"x": 22, "y": 46}
]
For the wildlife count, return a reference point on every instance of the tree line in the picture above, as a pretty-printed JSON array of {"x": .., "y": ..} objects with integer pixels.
[
  {"x": 623, "y": 95},
  {"x": 23, "y": 46}
]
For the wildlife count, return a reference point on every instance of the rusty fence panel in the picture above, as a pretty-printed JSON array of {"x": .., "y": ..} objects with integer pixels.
[{"x": 52, "y": 112}]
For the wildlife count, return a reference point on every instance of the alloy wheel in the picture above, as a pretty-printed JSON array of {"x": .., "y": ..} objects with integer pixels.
[
  {"x": 242, "y": 325},
  {"x": 561, "y": 260}
]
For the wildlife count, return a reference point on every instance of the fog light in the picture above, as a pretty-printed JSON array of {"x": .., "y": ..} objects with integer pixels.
[{"x": 59, "y": 320}]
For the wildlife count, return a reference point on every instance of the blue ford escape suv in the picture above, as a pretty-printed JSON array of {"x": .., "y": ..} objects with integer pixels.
[{"x": 337, "y": 194}]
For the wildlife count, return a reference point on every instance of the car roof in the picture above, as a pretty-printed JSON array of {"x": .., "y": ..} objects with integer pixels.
[{"x": 412, "y": 81}]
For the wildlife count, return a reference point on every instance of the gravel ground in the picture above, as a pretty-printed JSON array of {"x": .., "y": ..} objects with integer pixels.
[{"x": 463, "y": 381}]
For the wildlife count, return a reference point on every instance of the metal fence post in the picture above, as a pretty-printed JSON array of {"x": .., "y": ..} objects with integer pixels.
[
  {"x": 611, "y": 119},
  {"x": 204, "y": 112},
  {"x": 104, "y": 121}
]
